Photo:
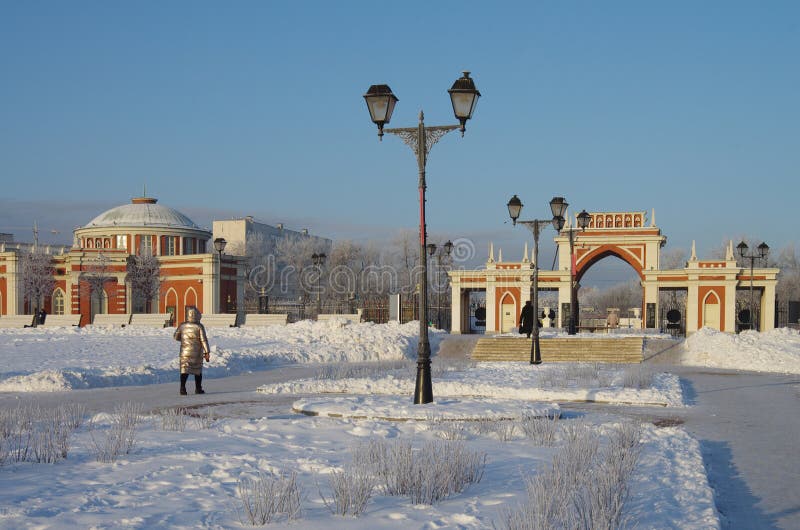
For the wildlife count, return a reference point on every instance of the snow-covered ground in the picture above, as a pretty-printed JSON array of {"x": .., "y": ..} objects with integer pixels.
[
  {"x": 188, "y": 479},
  {"x": 42, "y": 359}
]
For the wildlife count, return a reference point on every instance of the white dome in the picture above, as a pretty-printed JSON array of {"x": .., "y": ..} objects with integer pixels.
[{"x": 143, "y": 211}]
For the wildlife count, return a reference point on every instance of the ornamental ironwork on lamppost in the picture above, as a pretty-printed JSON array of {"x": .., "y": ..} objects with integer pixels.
[
  {"x": 380, "y": 103},
  {"x": 763, "y": 250},
  {"x": 558, "y": 205},
  {"x": 219, "y": 246},
  {"x": 446, "y": 249},
  {"x": 319, "y": 262},
  {"x": 535, "y": 226}
]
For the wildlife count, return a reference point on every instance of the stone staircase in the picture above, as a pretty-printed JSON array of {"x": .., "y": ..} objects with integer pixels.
[{"x": 562, "y": 349}]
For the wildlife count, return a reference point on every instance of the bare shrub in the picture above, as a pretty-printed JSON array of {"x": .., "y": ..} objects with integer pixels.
[
  {"x": 443, "y": 366},
  {"x": 591, "y": 375},
  {"x": 265, "y": 498},
  {"x": 638, "y": 376},
  {"x": 351, "y": 490},
  {"x": 205, "y": 419},
  {"x": 505, "y": 430},
  {"x": 425, "y": 476},
  {"x": 452, "y": 430},
  {"x": 174, "y": 419},
  {"x": 36, "y": 434},
  {"x": 541, "y": 431},
  {"x": 349, "y": 371},
  {"x": 585, "y": 488},
  {"x": 571, "y": 431},
  {"x": 120, "y": 437}
]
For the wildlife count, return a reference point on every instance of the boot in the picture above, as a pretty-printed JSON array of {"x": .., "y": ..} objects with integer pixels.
[
  {"x": 198, "y": 385},
  {"x": 184, "y": 377}
]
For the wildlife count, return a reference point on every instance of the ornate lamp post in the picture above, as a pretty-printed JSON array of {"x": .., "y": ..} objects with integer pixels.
[
  {"x": 219, "y": 246},
  {"x": 535, "y": 226},
  {"x": 319, "y": 262},
  {"x": 446, "y": 249},
  {"x": 380, "y": 103},
  {"x": 763, "y": 250},
  {"x": 558, "y": 205}
]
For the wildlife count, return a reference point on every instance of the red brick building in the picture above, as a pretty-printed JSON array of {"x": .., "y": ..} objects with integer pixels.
[{"x": 189, "y": 274}]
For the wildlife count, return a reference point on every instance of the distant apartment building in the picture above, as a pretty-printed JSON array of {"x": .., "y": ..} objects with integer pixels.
[{"x": 239, "y": 232}]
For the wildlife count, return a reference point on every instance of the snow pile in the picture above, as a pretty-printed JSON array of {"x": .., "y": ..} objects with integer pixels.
[
  {"x": 53, "y": 359},
  {"x": 501, "y": 380},
  {"x": 777, "y": 350}
]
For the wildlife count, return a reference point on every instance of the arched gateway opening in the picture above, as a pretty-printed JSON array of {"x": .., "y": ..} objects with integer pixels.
[{"x": 674, "y": 300}]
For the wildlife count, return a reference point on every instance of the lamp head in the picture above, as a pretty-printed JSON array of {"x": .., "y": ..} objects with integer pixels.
[
  {"x": 380, "y": 103},
  {"x": 742, "y": 248},
  {"x": 514, "y": 208},
  {"x": 584, "y": 219},
  {"x": 558, "y": 205},
  {"x": 464, "y": 97},
  {"x": 219, "y": 244},
  {"x": 448, "y": 247}
]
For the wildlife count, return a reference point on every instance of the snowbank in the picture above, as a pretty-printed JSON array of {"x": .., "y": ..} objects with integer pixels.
[
  {"x": 54, "y": 359},
  {"x": 777, "y": 350}
]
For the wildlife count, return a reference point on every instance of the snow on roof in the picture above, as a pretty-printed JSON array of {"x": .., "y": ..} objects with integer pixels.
[{"x": 143, "y": 211}]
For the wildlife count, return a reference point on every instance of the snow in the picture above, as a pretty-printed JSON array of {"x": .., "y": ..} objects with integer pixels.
[
  {"x": 56, "y": 359},
  {"x": 504, "y": 380},
  {"x": 189, "y": 479},
  {"x": 777, "y": 350}
]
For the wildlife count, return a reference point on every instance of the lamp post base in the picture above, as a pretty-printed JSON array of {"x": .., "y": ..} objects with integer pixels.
[{"x": 424, "y": 390}]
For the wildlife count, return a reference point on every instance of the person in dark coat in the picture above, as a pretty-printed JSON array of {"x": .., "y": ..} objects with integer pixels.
[
  {"x": 526, "y": 319},
  {"x": 41, "y": 317}
]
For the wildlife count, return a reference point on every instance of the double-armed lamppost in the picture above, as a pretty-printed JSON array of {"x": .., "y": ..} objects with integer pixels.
[
  {"x": 381, "y": 102},
  {"x": 535, "y": 226},
  {"x": 763, "y": 250},
  {"x": 319, "y": 262},
  {"x": 559, "y": 205},
  {"x": 446, "y": 249}
]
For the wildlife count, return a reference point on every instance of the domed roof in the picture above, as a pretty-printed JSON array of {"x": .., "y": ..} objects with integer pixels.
[{"x": 143, "y": 211}]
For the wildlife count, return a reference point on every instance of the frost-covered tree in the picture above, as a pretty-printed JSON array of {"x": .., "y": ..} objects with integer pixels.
[
  {"x": 37, "y": 277},
  {"x": 144, "y": 277},
  {"x": 295, "y": 277},
  {"x": 96, "y": 274},
  {"x": 622, "y": 295},
  {"x": 788, "y": 261},
  {"x": 674, "y": 258}
]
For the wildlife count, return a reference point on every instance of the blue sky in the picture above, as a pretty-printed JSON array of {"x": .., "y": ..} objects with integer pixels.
[{"x": 254, "y": 108}]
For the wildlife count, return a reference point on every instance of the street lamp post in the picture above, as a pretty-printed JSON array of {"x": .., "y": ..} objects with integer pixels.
[
  {"x": 535, "y": 226},
  {"x": 446, "y": 249},
  {"x": 763, "y": 250},
  {"x": 380, "y": 103},
  {"x": 219, "y": 246},
  {"x": 558, "y": 205},
  {"x": 319, "y": 262}
]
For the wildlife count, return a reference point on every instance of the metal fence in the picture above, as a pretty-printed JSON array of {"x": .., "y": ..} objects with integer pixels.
[{"x": 375, "y": 309}]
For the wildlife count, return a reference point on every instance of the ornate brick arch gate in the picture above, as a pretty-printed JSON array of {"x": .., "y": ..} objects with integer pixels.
[{"x": 710, "y": 285}]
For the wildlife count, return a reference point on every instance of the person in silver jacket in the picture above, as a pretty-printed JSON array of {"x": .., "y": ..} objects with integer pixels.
[{"x": 194, "y": 348}]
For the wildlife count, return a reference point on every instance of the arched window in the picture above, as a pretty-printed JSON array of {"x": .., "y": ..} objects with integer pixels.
[{"x": 57, "y": 303}]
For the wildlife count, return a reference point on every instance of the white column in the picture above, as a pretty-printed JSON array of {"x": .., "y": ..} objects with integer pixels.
[
  {"x": 692, "y": 308},
  {"x": 730, "y": 307},
  {"x": 455, "y": 309},
  {"x": 491, "y": 301},
  {"x": 563, "y": 298},
  {"x": 768, "y": 308}
]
